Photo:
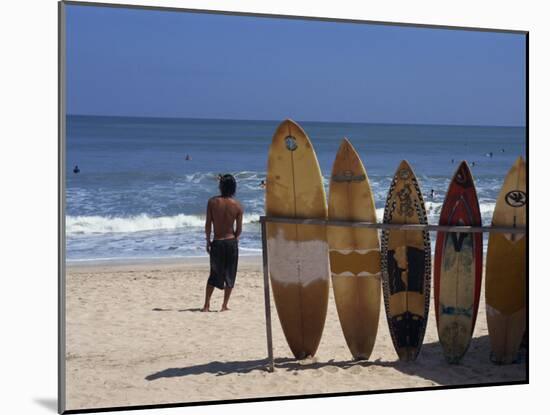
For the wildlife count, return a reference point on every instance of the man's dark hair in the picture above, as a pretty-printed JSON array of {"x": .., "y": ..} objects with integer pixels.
[{"x": 228, "y": 185}]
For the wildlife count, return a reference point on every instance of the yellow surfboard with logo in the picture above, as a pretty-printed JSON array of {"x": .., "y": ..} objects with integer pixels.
[
  {"x": 298, "y": 254},
  {"x": 354, "y": 252},
  {"x": 506, "y": 273}
]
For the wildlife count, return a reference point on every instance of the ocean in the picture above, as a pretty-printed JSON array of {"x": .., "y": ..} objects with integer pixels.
[{"x": 136, "y": 195}]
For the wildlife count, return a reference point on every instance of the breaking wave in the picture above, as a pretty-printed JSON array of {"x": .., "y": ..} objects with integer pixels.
[{"x": 139, "y": 223}]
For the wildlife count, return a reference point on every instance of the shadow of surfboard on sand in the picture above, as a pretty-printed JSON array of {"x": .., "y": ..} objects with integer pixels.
[{"x": 475, "y": 368}]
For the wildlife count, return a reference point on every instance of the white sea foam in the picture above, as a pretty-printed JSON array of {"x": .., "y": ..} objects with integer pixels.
[
  {"x": 241, "y": 176},
  {"x": 139, "y": 223}
]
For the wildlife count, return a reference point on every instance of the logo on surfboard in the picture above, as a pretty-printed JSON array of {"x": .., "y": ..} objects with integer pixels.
[
  {"x": 290, "y": 143},
  {"x": 348, "y": 176},
  {"x": 404, "y": 174},
  {"x": 516, "y": 198},
  {"x": 405, "y": 201}
]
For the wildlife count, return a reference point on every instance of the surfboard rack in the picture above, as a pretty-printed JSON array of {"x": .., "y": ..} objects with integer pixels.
[
  {"x": 395, "y": 226},
  {"x": 389, "y": 226}
]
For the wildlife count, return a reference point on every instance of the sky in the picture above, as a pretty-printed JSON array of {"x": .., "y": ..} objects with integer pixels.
[{"x": 134, "y": 62}]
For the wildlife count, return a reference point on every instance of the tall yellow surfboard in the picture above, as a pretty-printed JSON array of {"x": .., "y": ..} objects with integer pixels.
[
  {"x": 298, "y": 254},
  {"x": 354, "y": 252},
  {"x": 506, "y": 273}
]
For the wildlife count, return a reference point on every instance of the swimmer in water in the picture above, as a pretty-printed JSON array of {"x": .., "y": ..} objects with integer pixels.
[
  {"x": 432, "y": 194},
  {"x": 262, "y": 184},
  {"x": 187, "y": 157},
  {"x": 76, "y": 170}
]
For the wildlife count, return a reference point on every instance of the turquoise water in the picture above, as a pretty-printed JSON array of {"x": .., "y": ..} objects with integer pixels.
[{"x": 136, "y": 195}]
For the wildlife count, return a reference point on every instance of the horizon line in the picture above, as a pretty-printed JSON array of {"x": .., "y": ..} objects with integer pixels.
[{"x": 303, "y": 121}]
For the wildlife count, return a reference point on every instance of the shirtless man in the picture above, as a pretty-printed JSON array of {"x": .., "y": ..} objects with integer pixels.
[{"x": 223, "y": 211}]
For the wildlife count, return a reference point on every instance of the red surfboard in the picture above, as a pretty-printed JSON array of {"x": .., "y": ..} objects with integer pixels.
[{"x": 458, "y": 267}]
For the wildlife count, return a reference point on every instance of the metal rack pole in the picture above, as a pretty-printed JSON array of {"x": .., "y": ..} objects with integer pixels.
[{"x": 267, "y": 300}]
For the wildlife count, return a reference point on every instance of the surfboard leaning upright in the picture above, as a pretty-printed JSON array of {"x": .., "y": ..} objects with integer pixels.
[
  {"x": 458, "y": 267},
  {"x": 298, "y": 254},
  {"x": 406, "y": 264},
  {"x": 506, "y": 272},
  {"x": 354, "y": 252}
]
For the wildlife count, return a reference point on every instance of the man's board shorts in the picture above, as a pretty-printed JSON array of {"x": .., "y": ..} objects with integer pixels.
[{"x": 224, "y": 256}]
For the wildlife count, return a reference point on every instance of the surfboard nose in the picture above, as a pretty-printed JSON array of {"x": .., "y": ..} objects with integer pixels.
[
  {"x": 463, "y": 174},
  {"x": 519, "y": 161},
  {"x": 345, "y": 143},
  {"x": 288, "y": 125},
  {"x": 290, "y": 135},
  {"x": 404, "y": 171},
  {"x": 344, "y": 151},
  {"x": 404, "y": 164}
]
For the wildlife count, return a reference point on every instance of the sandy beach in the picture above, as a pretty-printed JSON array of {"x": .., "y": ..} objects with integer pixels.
[{"x": 135, "y": 336}]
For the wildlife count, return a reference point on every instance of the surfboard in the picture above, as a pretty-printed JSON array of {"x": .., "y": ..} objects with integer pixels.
[
  {"x": 297, "y": 254},
  {"x": 506, "y": 272},
  {"x": 458, "y": 267},
  {"x": 406, "y": 264},
  {"x": 354, "y": 252}
]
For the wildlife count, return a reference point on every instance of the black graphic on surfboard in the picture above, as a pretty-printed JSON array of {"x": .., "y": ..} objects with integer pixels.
[
  {"x": 407, "y": 326},
  {"x": 414, "y": 274},
  {"x": 408, "y": 329}
]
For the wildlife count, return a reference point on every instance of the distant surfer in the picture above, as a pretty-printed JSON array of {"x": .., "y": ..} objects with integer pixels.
[
  {"x": 432, "y": 194},
  {"x": 452, "y": 160},
  {"x": 490, "y": 154},
  {"x": 187, "y": 157},
  {"x": 502, "y": 150},
  {"x": 262, "y": 184},
  {"x": 76, "y": 170},
  {"x": 473, "y": 163},
  {"x": 226, "y": 214}
]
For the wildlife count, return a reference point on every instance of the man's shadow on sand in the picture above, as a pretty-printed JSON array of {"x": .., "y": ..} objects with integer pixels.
[
  {"x": 193, "y": 310},
  {"x": 427, "y": 366}
]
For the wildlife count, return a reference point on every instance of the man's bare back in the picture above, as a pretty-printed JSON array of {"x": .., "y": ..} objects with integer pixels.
[{"x": 223, "y": 213}]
